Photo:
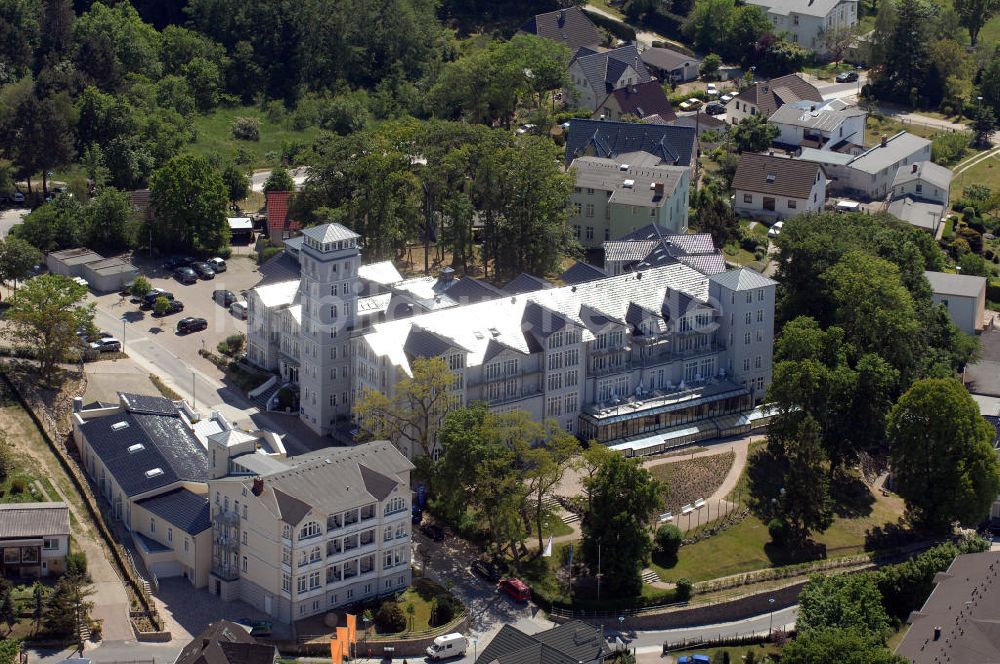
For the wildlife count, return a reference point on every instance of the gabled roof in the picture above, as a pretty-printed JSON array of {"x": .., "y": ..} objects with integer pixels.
[
  {"x": 769, "y": 96},
  {"x": 699, "y": 122},
  {"x": 811, "y": 115},
  {"x": 927, "y": 215},
  {"x": 182, "y": 508},
  {"x": 928, "y": 171},
  {"x": 26, "y": 520},
  {"x": 569, "y": 26},
  {"x": 225, "y": 642},
  {"x": 896, "y": 149},
  {"x": 525, "y": 283},
  {"x": 467, "y": 290},
  {"x": 380, "y": 486},
  {"x": 667, "y": 60},
  {"x": 421, "y": 343},
  {"x": 820, "y": 8},
  {"x": 603, "y": 70},
  {"x": 580, "y": 272},
  {"x": 277, "y": 210},
  {"x": 668, "y": 144},
  {"x": 777, "y": 176},
  {"x": 570, "y": 643},
  {"x": 642, "y": 100},
  {"x": 742, "y": 279},
  {"x": 963, "y": 285},
  {"x": 711, "y": 264}
]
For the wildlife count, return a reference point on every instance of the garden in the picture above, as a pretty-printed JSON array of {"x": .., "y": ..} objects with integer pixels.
[
  {"x": 423, "y": 606},
  {"x": 692, "y": 479}
]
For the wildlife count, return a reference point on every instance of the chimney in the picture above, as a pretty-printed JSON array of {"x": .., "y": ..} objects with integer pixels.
[
  {"x": 937, "y": 633},
  {"x": 258, "y": 486},
  {"x": 562, "y": 17},
  {"x": 658, "y": 190},
  {"x": 77, "y": 404},
  {"x": 885, "y": 140},
  {"x": 914, "y": 169},
  {"x": 447, "y": 274}
]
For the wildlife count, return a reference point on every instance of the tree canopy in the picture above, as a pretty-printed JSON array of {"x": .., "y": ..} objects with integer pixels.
[{"x": 190, "y": 199}]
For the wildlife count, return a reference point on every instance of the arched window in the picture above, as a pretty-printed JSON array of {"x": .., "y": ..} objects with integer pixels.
[
  {"x": 311, "y": 529},
  {"x": 394, "y": 505}
]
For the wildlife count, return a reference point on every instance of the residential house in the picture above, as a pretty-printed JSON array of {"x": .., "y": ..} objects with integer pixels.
[
  {"x": 573, "y": 642},
  {"x": 225, "y": 642},
  {"x": 957, "y": 621},
  {"x": 671, "y": 66},
  {"x": 279, "y": 226},
  {"x": 34, "y": 539},
  {"x": 631, "y": 143},
  {"x": 595, "y": 74},
  {"x": 766, "y": 97},
  {"x": 654, "y": 245},
  {"x": 807, "y": 22},
  {"x": 150, "y": 459},
  {"x": 775, "y": 188},
  {"x": 305, "y": 535},
  {"x": 920, "y": 195},
  {"x": 568, "y": 26},
  {"x": 829, "y": 126},
  {"x": 963, "y": 295},
  {"x": 868, "y": 175},
  {"x": 645, "y": 101},
  {"x": 611, "y": 199}
]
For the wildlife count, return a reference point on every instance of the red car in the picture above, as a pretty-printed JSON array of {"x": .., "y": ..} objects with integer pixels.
[{"x": 516, "y": 588}]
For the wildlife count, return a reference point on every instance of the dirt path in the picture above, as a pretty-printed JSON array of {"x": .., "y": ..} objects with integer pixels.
[{"x": 111, "y": 603}]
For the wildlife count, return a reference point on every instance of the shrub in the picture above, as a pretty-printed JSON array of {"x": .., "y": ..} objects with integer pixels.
[
  {"x": 778, "y": 530},
  {"x": 710, "y": 66},
  {"x": 18, "y": 485},
  {"x": 668, "y": 539},
  {"x": 444, "y": 608},
  {"x": 390, "y": 619},
  {"x": 245, "y": 129},
  {"x": 233, "y": 345},
  {"x": 140, "y": 286},
  {"x": 683, "y": 591},
  {"x": 266, "y": 254},
  {"x": 76, "y": 563},
  {"x": 949, "y": 148}
]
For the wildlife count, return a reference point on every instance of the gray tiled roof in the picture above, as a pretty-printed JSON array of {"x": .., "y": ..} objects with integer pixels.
[
  {"x": 569, "y": 26},
  {"x": 155, "y": 441},
  {"x": 580, "y": 272},
  {"x": 602, "y": 70},
  {"x": 33, "y": 520},
  {"x": 742, "y": 279},
  {"x": 928, "y": 171},
  {"x": 901, "y": 146},
  {"x": 643, "y": 100},
  {"x": 768, "y": 96},
  {"x": 421, "y": 343},
  {"x": 570, "y": 643},
  {"x": 922, "y": 214},
  {"x": 963, "y": 285},
  {"x": 667, "y": 60},
  {"x": 776, "y": 176},
  {"x": 819, "y": 8},
  {"x": 710, "y": 264},
  {"x": 669, "y": 144},
  {"x": 225, "y": 642},
  {"x": 149, "y": 405},
  {"x": 467, "y": 290},
  {"x": 689, "y": 243},
  {"x": 330, "y": 233},
  {"x": 183, "y": 508},
  {"x": 525, "y": 283}
]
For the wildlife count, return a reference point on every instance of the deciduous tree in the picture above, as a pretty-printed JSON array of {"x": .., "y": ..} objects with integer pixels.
[
  {"x": 190, "y": 201},
  {"x": 753, "y": 134},
  {"x": 847, "y": 646},
  {"x": 942, "y": 456},
  {"x": 974, "y": 14},
  {"x": 17, "y": 259},
  {"x": 847, "y": 601},
  {"x": 108, "y": 217},
  {"x": 44, "y": 315},
  {"x": 279, "y": 180}
]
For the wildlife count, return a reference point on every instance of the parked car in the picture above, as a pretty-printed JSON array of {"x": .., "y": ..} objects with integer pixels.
[
  {"x": 715, "y": 108},
  {"x": 150, "y": 298},
  {"x": 224, "y": 297},
  {"x": 17, "y": 198},
  {"x": 191, "y": 324},
  {"x": 726, "y": 98},
  {"x": 173, "y": 263},
  {"x": 694, "y": 659},
  {"x": 434, "y": 533},
  {"x": 691, "y": 104},
  {"x": 106, "y": 345},
  {"x": 527, "y": 128},
  {"x": 847, "y": 76},
  {"x": 711, "y": 90},
  {"x": 174, "y": 306},
  {"x": 487, "y": 570},
  {"x": 239, "y": 309},
  {"x": 186, "y": 275},
  {"x": 217, "y": 264},
  {"x": 516, "y": 589},
  {"x": 203, "y": 270},
  {"x": 775, "y": 230}
]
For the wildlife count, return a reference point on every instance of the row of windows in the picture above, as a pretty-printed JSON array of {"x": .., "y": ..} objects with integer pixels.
[
  {"x": 564, "y": 337},
  {"x": 556, "y": 406},
  {"x": 556, "y": 381}
]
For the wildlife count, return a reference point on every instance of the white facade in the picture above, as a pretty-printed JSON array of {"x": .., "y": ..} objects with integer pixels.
[
  {"x": 767, "y": 206},
  {"x": 819, "y": 126},
  {"x": 806, "y": 22}
]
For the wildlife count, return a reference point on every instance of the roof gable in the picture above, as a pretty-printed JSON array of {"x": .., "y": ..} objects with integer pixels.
[
  {"x": 778, "y": 176},
  {"x": 643, "y": 100},
  {"x": 569, "y": 26}
]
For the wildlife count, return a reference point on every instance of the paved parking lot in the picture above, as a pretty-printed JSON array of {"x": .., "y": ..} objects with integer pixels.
[{"x": 197, "y": 299}]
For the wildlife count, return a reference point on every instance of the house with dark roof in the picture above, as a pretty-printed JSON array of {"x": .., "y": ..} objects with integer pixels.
[
  {"x": 631, "y": 143},
  {"x": 568, "y": 26},
  {"x": 150, "y": 460},
  {"x": 775, "y": 188},
  {"x": 766, "y": 97},
  {"x": 570, "y": 643},
  {"x": 328, "y": 529},
  {"x": 225, "y": 642},
  {"x": 34, "y": 539},
  {"x": 595, "y": 74},
  {"x": 671, "y": 66},
  {"x": 645, "y": 101},
  {"x": 958, "y": 621}
]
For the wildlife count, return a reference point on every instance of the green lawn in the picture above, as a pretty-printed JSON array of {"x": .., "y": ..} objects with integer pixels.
[
  {"x": 213, "y": 135},
  {"x": 884, "y": 125},
  {"x": 420, "y": 595},
  {"x": 828, "y": 71},
  {"x": 553, "y": 525},
  {"x": 747, "y": 547},
  {"x": 986, "y": 172}
]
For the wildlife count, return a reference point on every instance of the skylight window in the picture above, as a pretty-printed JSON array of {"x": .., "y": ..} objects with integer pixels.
[
  {"x": 118, "y": 426},
  {"x": 138, "y": 447},
  {"x": 154, "y": 472},
  {"x": 770, "y": 177}
]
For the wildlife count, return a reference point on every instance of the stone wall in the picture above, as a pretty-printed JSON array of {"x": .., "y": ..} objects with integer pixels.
[{"x": 414, "y": 647}]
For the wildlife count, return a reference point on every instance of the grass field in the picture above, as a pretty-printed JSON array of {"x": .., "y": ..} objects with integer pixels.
[
  {"x": 883, "y": 125},
  {"x": 986, "y": 172},
  {"x": 213, "y": 135},
  {"x": 420, "y": 596}
]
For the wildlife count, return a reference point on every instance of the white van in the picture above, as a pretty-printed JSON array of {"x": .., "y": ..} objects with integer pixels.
[{"x": 447, "y": 646}]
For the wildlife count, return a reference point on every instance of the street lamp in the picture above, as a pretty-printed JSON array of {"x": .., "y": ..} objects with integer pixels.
[
  {"x": 475, "y": 649},
  {"x": 770, "y": 625},
  {"x": 194, "y": 392},
  {"x": 123, "y": 332},
  {"x": 859, "y": 79}
]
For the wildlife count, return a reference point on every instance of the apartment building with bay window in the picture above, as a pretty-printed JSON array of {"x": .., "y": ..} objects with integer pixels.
[{"x": 299, "y": 536}]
